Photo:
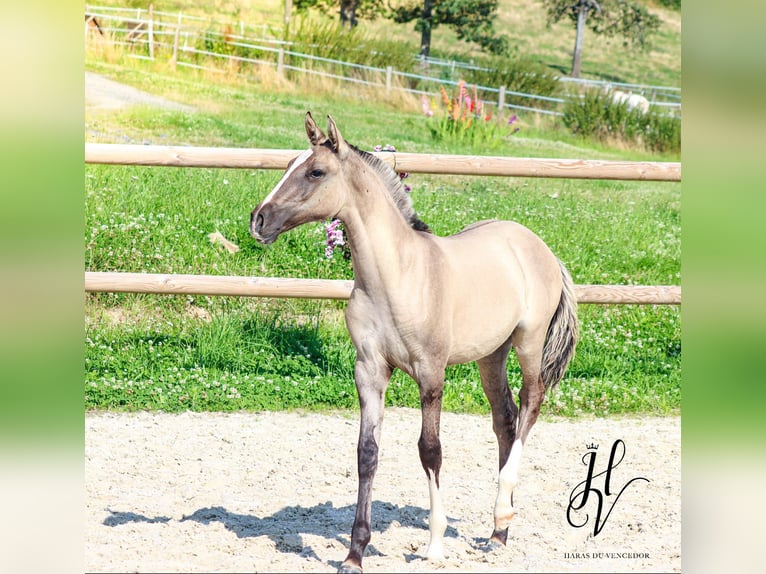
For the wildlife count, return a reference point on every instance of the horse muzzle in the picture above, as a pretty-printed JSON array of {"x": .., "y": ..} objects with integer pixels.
[{"x": 259, "y": 230}]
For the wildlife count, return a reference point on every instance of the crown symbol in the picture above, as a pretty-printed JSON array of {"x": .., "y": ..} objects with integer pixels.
[{"x": 592, "y": 446}]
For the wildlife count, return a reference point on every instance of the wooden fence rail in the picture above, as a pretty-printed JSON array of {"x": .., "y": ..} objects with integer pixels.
[
  {"x": 177, "y": 156},
  {"x": 217, "y": 157},
  {"x": 158, "y": 283}
]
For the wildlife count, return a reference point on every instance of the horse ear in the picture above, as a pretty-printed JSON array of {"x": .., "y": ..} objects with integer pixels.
[
  {"x": 339, "y": 145},
  {"x": 316, "y": 136}
]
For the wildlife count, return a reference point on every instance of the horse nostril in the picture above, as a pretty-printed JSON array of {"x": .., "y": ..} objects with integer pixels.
[{"x": 256, "y": 223}]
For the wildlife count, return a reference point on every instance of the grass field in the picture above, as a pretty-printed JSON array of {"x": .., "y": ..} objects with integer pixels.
[
  {"x": 216, "y": 353},
  {"x": 172, "y": 353},
  {"x": 523, "y": 21}
]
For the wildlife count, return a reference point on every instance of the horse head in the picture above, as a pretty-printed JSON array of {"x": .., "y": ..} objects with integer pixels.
[{"x": 311, "y": 188}]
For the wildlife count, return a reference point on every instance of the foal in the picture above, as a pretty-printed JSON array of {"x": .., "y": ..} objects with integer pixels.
[{"x": 421, "y": 302}]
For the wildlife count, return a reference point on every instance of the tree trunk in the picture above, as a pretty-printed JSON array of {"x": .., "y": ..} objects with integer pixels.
[
  {"x": 582, "y": 16},
  {"x": 426, "y": 18},
  {"x": 348, "y": 12}
]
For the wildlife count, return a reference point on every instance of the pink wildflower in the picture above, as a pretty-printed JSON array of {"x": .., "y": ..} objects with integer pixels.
[{"x": 334, "y": 237}]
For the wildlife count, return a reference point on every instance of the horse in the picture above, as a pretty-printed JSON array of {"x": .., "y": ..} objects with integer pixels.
[{"x": 420, "y": 302}]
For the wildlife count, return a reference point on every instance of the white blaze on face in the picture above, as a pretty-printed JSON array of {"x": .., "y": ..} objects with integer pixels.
[
  {"x": 437, "y": 521},
  {"x": 300, "y": 160},
  {"x": 506, "y": 482}
]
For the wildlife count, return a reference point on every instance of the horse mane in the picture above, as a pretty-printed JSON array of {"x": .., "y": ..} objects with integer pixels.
[{"x": 395, "y": 187}]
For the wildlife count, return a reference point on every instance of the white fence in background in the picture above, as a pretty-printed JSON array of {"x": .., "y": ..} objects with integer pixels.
[{"x": 148, "y": 30}]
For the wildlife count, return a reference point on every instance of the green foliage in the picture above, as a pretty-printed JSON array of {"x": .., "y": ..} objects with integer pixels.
[
  {"x": 595, "y": 115},
  {"x": 518, "y": 74},
  {"x": 350, "y": 10},
  {"x": 329, "y": 39},
  {"x": 231, "y": 362},
  {"x": 672, "y": 4},
  {"x": 630, "y": 20},
  {"x": 472, "y": 20}
]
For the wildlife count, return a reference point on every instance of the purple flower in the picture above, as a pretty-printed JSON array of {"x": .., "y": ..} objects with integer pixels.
[
  {"x": 404, "y": 175},
  {"x": 511, "y": 119}
]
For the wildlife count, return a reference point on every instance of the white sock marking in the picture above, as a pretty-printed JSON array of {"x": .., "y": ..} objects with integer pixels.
[
  {"x": 506, "y": 482},
  {"x": 437, "y": 521}
]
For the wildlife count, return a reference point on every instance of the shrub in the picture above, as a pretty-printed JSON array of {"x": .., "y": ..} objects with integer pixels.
[
  {"x": 594, "y": 115},
  {"x": 518, "y": 74}
]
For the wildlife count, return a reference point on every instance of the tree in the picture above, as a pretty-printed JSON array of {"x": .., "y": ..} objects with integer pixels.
[
  {"x": 472, "y": 21},
  {"x": 623, "y": 18},
  {"x": 349, "y": 10}
]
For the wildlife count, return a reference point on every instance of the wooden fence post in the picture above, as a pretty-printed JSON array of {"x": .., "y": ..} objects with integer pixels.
[
  {"x": 389, "y": 73},
  {"x": 501, "y": 100},
  {"x": 151, "y": 31},
  {"x": 176, "y": 38},
  {"x": 281, "y": 62}
]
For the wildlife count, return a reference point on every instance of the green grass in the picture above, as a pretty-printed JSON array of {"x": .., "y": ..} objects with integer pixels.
[
  {"x": 217, "y": 353},
  {"x": 524, "y": 21},
  {"x": 223, "y": 353}
]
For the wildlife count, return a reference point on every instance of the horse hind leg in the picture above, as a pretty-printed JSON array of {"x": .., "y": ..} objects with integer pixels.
[
  {"x": 529, "y": 354},
  {"x": 494, "y": 380},
  {"x": 430, "y": 450}
]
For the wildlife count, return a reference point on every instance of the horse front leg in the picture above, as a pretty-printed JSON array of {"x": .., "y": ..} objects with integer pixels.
[
  {"x": 430, "y": 450},
  {"x": 371, "y": 380}
]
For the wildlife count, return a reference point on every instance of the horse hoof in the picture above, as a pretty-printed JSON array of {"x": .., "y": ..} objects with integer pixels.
[
  {"x": 496, "y": 541},
  {"x": 489, "y": 546},
  {"x": 349, "y": 569}
]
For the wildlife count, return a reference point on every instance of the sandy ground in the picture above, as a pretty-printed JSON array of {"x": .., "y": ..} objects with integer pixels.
[{"x": 276, "y": 492}]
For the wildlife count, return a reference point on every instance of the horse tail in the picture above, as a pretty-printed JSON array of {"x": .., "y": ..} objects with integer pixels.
[{"x": 561, "y": 339}]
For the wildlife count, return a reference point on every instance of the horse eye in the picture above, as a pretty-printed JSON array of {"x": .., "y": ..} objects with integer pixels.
[{"x": 316, "y": 173}]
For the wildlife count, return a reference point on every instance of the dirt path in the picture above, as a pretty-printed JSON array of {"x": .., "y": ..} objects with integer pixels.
[
  {"x": 103, "y": 93},
  {"x": 275, "y": 492}
]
